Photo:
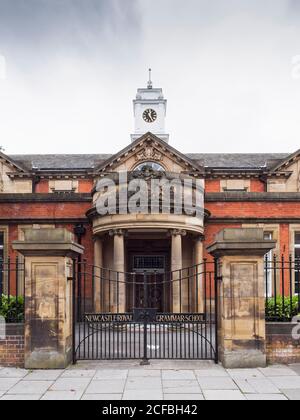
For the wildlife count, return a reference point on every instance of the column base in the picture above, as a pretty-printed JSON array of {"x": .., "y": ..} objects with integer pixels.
[
  {"x": 243, "y": 359},
  {"x": 48, "y": 360}
]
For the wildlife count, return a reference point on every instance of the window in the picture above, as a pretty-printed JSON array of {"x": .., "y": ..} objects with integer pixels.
[
  {"x": 268, "y": 236},
  {"x": 1, "y": 245},
  {"x": 153, "y": 263},
  {"x": 297, "y": 262},
  {"x": 235, "y": 185},
  {"x": 153, "y": 166}
]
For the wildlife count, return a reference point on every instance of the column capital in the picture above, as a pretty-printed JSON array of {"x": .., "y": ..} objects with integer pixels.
[
  {"x": 117, "y": 232},
  {"x": 200, "y": 238},
  {"x": 177, "y": 232},
  {"x": 97, "y": 238}
]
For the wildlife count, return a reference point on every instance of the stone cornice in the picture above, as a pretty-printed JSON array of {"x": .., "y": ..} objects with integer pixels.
[
  {"x": 254, "y": 197},
  {"x": 45, "y": 198}
]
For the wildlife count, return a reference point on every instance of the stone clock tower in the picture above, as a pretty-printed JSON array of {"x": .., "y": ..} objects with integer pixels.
[{"x": 150, "y": 109}]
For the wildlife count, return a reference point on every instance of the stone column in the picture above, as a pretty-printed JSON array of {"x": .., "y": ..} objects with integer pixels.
[
  {"x": 49, "y": 257},
  {"x": 198, "y": 261},
  {"x": 98, "y": 281},
  {"x": 241, "y": 325},
  {"x": 119, "y": 287},
  {"x": 176, "y": 267}
]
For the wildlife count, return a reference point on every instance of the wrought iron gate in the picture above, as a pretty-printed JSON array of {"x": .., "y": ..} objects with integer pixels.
[{"x": 150, "y": 315}]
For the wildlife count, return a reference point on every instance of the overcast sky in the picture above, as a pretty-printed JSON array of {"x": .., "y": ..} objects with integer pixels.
[{"x": 69, "y": 70}]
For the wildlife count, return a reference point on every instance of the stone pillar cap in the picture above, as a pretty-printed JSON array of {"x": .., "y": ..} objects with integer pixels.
[
  {"x": 48, "y": 242},
  {"x": 241, "y": 241}
]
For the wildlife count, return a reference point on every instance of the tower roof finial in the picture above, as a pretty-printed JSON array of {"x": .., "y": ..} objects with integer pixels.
[{"x": 150, "y": 84}]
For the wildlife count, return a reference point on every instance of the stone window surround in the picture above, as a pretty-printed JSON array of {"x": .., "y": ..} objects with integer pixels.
[
  {"x": 5, "y": 231},
  {"x": 293, "y": 230}
]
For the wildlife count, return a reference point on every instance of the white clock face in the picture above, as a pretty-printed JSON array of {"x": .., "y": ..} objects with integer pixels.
[{"x": 149, "y": 116}]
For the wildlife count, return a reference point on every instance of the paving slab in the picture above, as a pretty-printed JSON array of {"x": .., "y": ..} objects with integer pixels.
[
  {"x": 244, "y": 386},
  {"x": 211, "y": 373},
  {"x": 106, "y": 386},
  {"x": 143, "y": 383},
  {"x": 278, "y": 371},
  {"x": 181, "y": 387},
  {"x": 263, "y": 386},
  {"x": 217, "y": 383},
  {"x": 102, "y": 397},
  {"x": 178, "y": 375},
  {"x": 79, "y": 374},
  {"x": 70, "y": 384},
  {"x": 43, "y": 375},
  {"x": 62, "y": 395},
  {"x": 292, "y": 394},
  {"x": 183, "y": 397},
  {"x": 295, "y": 368},
  {"x": 108, "y": 374},
  {"x": 7, "y": 383},
  {"x": 286, "y": 382},
  {"x": 142, "y": 395},
  {"x": 30, "y": 387},
  {"x": 138, "y": 373},
  {"x": 223, "y": 395},
  {"x": 31, "y": 397},
  {"x": 266, "y": 397},
  {"x": 245, "y": 373},
  {"x": 13, "y": 373}
]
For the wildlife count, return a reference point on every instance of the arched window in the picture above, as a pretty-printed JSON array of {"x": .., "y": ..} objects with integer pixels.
[{"x": 153, "y": 166}]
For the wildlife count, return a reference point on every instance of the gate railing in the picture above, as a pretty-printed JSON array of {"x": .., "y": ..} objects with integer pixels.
[
  {"x": 12, "y": 290},
  {"x": 146, "y": 315},
  {"x": 282, "y": 288}
]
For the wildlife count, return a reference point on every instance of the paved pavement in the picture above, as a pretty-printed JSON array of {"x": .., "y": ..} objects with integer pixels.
[{"x": 167, "y": 380}]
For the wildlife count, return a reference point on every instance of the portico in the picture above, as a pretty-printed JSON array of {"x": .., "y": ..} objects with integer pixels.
[{"x": 163, "y": 251}]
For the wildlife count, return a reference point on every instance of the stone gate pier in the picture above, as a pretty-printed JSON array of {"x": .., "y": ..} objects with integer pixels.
[
  {"x": 49, "y": 255},
  {"x": 241, "y": 324}
]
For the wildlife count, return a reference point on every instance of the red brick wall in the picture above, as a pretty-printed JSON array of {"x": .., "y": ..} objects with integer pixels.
[
  {"x": 12, "y": 348},
  {"x": 281, "y": 348},
  {"x": 212, "y": 185},
  {"x": 85, "y": 186},
  {"x": 257, "y": 186},
  {"x": 257, "y": 209},
  {"x": 42, "y": 187},
  {"x": 210, "y": 231}
]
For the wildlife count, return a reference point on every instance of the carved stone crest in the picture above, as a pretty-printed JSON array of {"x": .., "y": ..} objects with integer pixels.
[{"x": 149, "y": 153}]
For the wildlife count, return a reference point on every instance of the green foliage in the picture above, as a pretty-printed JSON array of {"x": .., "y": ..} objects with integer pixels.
[
  {"x": 12, "y": 308},
  {"x": 282, "y": 310}
]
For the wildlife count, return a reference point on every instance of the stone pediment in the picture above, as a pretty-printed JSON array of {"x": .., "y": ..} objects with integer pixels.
[
  {"x": 287, "y": 163},
  {"x": 150, "y": 148},
  {"x": 11, "y": 164}
]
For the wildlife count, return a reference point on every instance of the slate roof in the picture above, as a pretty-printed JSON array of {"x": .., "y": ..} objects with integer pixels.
[
  {"x": 59, "y": 161},
  {"x": 91, "y": 161},
  {"x": 236, "y": 161}
]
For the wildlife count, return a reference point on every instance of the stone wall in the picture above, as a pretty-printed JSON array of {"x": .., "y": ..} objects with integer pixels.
[
  {"x": 281, "y": 347},
  {"x": 12, "y": 348}
]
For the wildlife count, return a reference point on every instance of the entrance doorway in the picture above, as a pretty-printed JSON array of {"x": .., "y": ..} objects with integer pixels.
[
  {"x": 149, "y": 259},
  {"x": 153, "y": 268}
]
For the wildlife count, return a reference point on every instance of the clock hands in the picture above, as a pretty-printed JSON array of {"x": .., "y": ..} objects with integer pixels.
[{"x": 149, "y": 115}]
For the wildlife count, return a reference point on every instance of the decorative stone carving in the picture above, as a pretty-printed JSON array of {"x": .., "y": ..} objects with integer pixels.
[
  {"x": 149, "y": 153},
  {"x": 177, "y": 232},
  {"x": 147, "y": 174},
  {"x": 117, "y": 232}
]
